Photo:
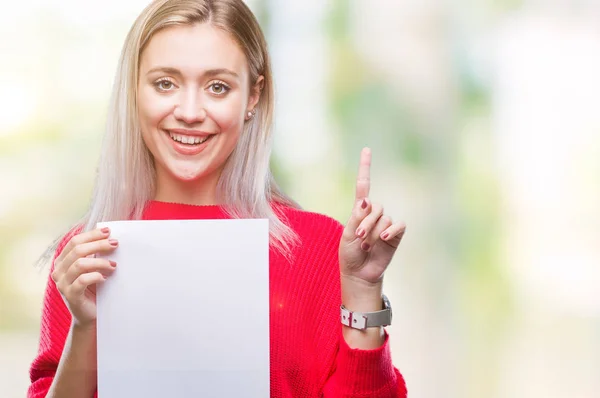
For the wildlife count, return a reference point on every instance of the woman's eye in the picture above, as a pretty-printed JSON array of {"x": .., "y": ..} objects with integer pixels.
[
  {"x": 164, "y": 85},
  {"x": 219, "y": 88}
]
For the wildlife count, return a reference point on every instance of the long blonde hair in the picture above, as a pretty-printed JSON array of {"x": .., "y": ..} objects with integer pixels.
[{"x": 125, "y": 178}]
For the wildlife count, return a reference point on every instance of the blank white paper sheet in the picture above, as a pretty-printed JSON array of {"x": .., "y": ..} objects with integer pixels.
[{"x": 186, "y": 312}]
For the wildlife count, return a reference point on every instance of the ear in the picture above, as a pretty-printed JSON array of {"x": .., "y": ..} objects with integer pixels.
[{"x": 255, "y": 92}]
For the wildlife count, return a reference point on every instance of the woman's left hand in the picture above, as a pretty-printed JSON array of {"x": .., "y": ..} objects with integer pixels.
[{"x": 370, "y": 238}]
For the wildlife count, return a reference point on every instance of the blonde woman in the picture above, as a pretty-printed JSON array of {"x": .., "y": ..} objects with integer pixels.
[{"x": 189, "y": 137}]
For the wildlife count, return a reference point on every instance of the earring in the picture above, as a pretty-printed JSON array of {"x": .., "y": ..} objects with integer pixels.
[{"x": 251, "y": 114}]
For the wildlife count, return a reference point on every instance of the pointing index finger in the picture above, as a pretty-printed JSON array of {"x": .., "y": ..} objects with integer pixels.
[{"x": 363, "y": 181}]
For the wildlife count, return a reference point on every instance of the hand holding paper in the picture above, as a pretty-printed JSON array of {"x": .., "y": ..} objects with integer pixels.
[{"x": 77, "y": 271}]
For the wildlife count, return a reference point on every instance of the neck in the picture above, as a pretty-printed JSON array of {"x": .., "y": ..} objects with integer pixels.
[{"x": 199, "y": 192}]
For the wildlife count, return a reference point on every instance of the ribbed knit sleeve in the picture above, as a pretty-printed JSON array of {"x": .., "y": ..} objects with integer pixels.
[
  {"x": 365, "y": 373},
  {"x": 354, "y": 373},
  {"x": 54, "y": 328}
]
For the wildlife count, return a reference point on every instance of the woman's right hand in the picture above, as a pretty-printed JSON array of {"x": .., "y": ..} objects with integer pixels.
[{"x": 77, "y": 271}]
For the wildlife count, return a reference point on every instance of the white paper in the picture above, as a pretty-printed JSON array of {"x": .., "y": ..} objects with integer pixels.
[{"x": 186, "y": 312}]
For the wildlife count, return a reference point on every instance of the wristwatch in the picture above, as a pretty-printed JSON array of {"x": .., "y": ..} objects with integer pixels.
[{"x": 363, "y": 320}]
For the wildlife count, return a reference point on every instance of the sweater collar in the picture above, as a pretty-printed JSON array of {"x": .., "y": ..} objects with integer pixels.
[{"x": 158, "y": 210}]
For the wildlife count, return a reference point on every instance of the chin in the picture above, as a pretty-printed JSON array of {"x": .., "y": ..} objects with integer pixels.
[
  {"x": 186, "y": 175},
  {"x": 192, "y": 171}
]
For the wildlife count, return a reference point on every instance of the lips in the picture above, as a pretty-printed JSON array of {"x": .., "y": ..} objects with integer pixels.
[
  {"x": 188, "y": 139},
  {"x": 187, "y": 142}
]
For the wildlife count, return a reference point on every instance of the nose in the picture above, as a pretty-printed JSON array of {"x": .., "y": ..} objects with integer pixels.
[{"x": 189, "y": 108}]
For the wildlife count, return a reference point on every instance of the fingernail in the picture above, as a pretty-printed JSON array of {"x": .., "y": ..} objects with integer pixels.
[
  {"x": 363, "y": 205},
  {"x": 385, "y": 236},
  {"x": 365, "y": 246},
  {"x": 113, "y": 264},
  {"x": 105, "y": 230},
  {"x": 360, "y": 232},
  {"x": 113, "y": 242}
]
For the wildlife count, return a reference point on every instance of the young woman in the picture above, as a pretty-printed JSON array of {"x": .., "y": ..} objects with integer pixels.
[{"x": 189, "y": 137}]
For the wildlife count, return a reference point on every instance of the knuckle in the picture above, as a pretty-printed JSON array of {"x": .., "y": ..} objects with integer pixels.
[
  {"x": 375, "y": 216},
  {"x": 79, "y": 282},
  {"x": 69, "y": 246},
  {"x": 60, "y": 285},
  {"x": 376, "y": 209},
  {"x": 79, "y": 251},
  {"x": 76, "y": 241},
  {"x": 78, "y": 264}
]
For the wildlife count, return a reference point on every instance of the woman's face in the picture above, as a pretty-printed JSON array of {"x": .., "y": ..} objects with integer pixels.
[{"x": 193, "y": 98}]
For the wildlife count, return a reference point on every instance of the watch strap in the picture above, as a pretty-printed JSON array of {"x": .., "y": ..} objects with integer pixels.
[{"x": 363, "y": 320}]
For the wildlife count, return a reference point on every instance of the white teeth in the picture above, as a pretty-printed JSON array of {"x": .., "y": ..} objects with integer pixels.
[{"x": 186, "y": 139}]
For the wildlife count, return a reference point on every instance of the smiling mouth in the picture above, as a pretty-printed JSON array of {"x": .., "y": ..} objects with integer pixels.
[{"x": 188, "y": 139}]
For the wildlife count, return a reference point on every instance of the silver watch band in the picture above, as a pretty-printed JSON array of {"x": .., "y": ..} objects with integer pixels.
[{"x": 363, "y": 320}]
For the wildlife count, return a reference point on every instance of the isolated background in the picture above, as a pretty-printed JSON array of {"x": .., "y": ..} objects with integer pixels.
[{"x": 483, "y": 117}]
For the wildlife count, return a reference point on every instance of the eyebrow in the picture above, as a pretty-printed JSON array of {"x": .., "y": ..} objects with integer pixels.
[{"x": 207, "y": 73}]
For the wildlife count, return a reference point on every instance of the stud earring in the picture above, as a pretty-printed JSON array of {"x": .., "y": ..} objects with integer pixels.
[{"x": 250, "y": 114}]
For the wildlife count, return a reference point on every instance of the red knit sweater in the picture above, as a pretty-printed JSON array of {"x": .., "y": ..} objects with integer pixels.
[{"x": 308, "y": 359}]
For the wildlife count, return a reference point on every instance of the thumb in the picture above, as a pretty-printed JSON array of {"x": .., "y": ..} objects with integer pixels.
[{"x": 362, "y": 208}]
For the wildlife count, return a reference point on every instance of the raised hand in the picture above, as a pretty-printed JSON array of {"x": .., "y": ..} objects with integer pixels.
[
  {"x": 370, "y": 238},
  {"x": 77, "y": 271}
]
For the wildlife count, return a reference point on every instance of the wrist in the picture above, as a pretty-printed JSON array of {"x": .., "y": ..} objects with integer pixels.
[
  {"x": 362, "y": 296},
  {"x": 83, "y": 328}
]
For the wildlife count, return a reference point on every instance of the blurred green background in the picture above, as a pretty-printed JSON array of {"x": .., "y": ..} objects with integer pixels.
[{"x": 483, "y": 118}]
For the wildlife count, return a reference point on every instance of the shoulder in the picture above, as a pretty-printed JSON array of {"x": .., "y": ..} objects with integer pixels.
[{"x": 315, "y": 257}]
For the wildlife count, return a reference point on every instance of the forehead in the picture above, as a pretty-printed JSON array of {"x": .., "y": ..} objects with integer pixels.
[{"x": 193, "y": 48}]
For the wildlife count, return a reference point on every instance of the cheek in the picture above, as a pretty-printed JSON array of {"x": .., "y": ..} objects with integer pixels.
[
  {"x": 152, "y": 109},
  {"x": 229, "y": 115}
]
